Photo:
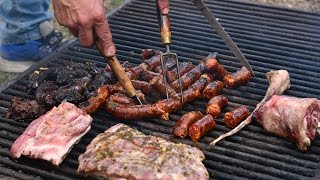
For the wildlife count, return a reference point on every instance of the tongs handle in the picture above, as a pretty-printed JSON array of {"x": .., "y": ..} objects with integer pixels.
[
  {"x": 120, "y": 73},
  {"x": 164, "y": 25}
]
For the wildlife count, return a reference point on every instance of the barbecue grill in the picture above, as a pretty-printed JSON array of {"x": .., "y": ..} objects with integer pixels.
[{"x": 270, "y": 38}]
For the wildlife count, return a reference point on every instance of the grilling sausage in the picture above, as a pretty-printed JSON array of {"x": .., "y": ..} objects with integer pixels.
[
  {"x": 214, "y": 67},
  {"x": 181, "y": 127},
  {"x": 95, "y": 102},
  {"x": 201, "y": 127},
  {"x": 238, "y": 78},
  {"x": 215, "y": 104},
  {"x": 184, "y": 67},
  {"x": 233, "y": 118},
  {"x": 135, "y": 111},
  {"x": 148, "y": 53},
  {"x": 190, "y": 77},
  {"x": 143, "y": 86},
  {"x": 158, "y": 84},
  {"x": 121, "y": 99},
  {"x": 212, "y": 89},
  {"x": 194, "y": 91},
  {"x": 147, "y": 75}
]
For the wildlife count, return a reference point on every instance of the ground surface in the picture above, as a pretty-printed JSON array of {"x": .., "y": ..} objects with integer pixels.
[{"x": 306, "y": 5}]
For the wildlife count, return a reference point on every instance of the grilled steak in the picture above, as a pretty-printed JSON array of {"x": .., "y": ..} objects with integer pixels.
[
  {"x": 52, "y": 135},
  {"x": 122, "y": 152},
  {"x": 291, "y": 117}
]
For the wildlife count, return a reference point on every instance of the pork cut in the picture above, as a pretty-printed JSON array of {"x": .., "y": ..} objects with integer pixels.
[
  {"x": 125, "y": 153},
  {"x": 291, "y": 117},
  {"x": 52, "y": 135}
]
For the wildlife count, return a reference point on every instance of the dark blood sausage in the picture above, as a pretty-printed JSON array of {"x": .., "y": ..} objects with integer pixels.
[
  {"x": 215, "y": 104},
  {"x": 212, "y": 89},
  {"x": 201, "y": 127},
  {"x": 121, "y": 99},
  {"x": 95, "y": 102},
  {"x": 184, "y": 67},
  {"x": 233, "y": 118},
  {"x": 134, "y": 112},
  {"x": 158, "y": 84},
  {"x": 216, "y": 68},
  {"x": 181, "y": 127},
  {"x": 148, "y": 75},
  {"x": 238, "y": 78}
]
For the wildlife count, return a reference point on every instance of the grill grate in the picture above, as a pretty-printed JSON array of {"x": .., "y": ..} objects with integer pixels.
[{"x": 270, "y": 38}]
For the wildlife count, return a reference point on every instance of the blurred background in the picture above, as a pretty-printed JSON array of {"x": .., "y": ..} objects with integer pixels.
[{"x": 305, "y": 5}]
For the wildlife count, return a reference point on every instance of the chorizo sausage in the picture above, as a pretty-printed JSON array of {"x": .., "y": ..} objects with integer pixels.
[
  {"x": 135, "y": 111},
  {"x": 233, "y": 118},
  {"x": 148, "y": 75},
  {"x": 201, "y": 127},
  {"x": 121, "y": 99},
  {"x": 212, "y": 89},
  {"x": 95, "y": 102},
  {"x": 184, "y": 67},
  {"x": 214, "y": 67},
  {"x": 181, "y": 127},
  {"x": 238, "y": 78},
  {"x": 148, "y": 53},
  {"x": 190, "y": 77},
  {"x": 158, "y": 84},
  {"x": 143, "y": 86},
  {"x": 215, "y": 104}
]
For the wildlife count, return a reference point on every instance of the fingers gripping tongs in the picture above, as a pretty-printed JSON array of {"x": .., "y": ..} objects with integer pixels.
[{"x": 164, "y": 25}]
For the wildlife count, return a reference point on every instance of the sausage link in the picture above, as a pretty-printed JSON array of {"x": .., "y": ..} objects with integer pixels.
[
  {"x": 147, "y": 75},
  {"x": 121, "y": 99},
  {"x": 181, "y": 127},
  {"x": 135, "y": 111},
  {"x": 158, "y": 84},
  {"x": 143, "y": 86},
  {"x": 194, "y": 91},
  {"x": 214, "y": 67},
  {"x": 148, "y": 53},
  {"x": 190, "y": 77},
  {"x": 215, "y": 104},
  {"x": 95, "y": 102},
  {"x": 212, "y": 89},
  {"x": 201, "y": 127},
  {"x": 153, "y": 62},
  {"x": 184, "y": 67},
  {"x": 238, "y": 78},
  {"x": 233, "y": 118}
]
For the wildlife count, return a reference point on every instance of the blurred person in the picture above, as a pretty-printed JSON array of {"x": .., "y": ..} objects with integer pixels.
[{"x": 26, "y": 36}]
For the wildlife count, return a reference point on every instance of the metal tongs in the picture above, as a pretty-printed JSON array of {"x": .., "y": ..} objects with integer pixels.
[{"x": 164, "y": 25}]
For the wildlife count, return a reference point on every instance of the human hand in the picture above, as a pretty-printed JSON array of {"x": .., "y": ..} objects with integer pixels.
[
  {"x": 163, "y": 6},
  {"x": 86, "y": 20}
]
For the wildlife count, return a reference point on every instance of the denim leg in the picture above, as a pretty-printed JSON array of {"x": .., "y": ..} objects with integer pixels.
[{"x": 21, "y": 19}]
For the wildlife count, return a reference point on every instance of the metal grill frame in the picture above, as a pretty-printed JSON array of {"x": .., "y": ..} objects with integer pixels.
[{"x": 221, "y": 148}]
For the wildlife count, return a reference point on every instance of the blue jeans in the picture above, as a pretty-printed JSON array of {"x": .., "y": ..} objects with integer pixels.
[{"x": 21, "y": 19}]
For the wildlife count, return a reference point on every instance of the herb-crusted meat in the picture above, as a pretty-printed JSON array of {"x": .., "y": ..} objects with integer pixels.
[{"x": 122, "y": 152}]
